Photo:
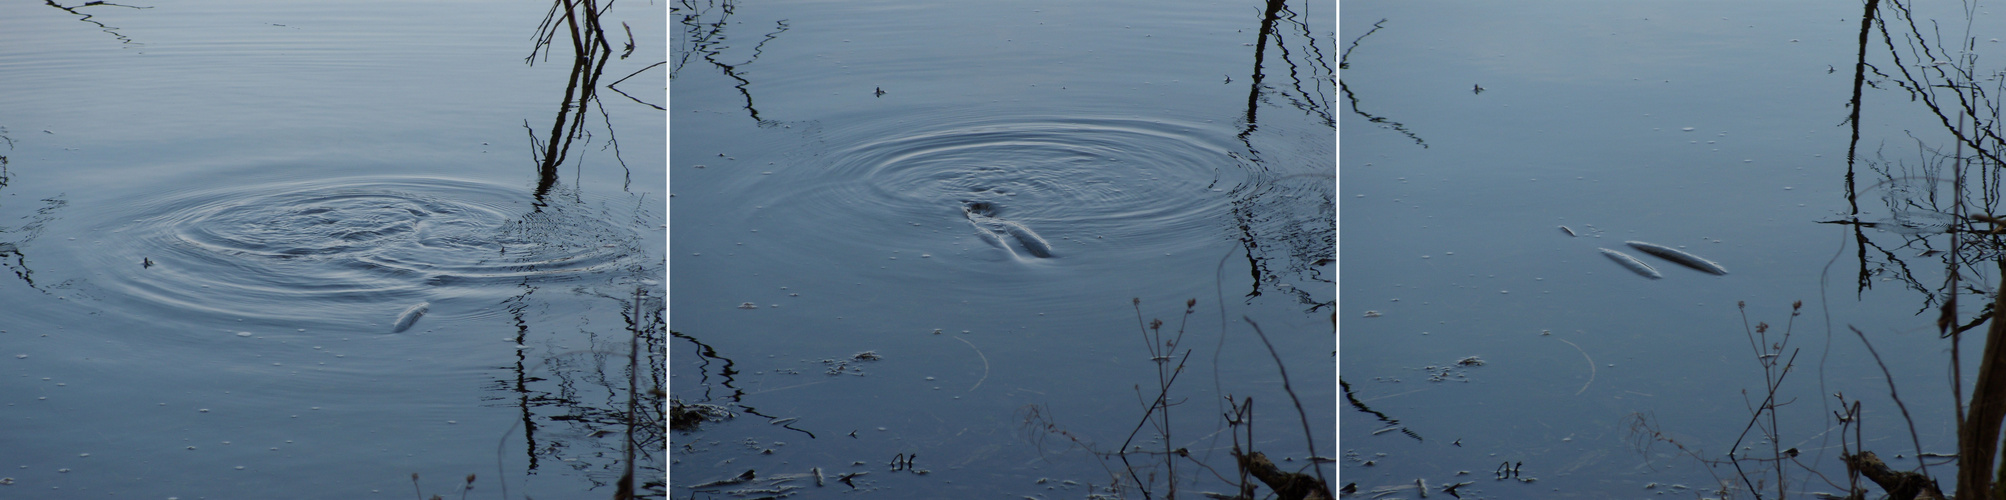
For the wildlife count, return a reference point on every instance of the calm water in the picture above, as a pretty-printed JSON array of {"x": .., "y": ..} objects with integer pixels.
[
  {"x": 1718, "y": 128},
  {"x": 211, "y": 214},
  {"x": 975, "y": 195}
]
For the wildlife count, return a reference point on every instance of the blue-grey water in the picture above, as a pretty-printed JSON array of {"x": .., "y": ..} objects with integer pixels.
[
  {"x": 1472, "y": 133},
  {"x": 921, "y": 243},
  {"x": 212, "y": 215}
]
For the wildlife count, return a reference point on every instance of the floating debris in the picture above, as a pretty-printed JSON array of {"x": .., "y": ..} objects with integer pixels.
[
  {"x": 687, "y": 416},
  {"x": 846, "y": 477},
  {"x": 1631, "y": 263},
  {"x": 410, "y": 316},
  {"x": 1679, "y": 257},
  {"x": 747, "y": 476}
]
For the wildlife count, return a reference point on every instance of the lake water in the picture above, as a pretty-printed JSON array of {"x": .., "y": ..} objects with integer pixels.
[
  {"x": 914, "y": 246},
  {"x": 212, "y": 214},
  {"x": 1473, "y": 133}
]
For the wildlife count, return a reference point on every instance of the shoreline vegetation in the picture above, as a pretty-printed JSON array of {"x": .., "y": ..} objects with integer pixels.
[
  {"x": 1155, "y": 472},
  {"x": 1929, "y": 208}
]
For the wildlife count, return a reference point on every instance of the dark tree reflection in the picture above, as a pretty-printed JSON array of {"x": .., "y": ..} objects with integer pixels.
[
  {"x": 1286, "y": 218},
  {"x": 598, "y": 409},
  {"x": 704, "y": 35}
]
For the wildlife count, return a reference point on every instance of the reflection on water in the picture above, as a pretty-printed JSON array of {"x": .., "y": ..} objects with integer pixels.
[
  {"x": 1293, "y": 215},
  {"x": 12, "y": 239},
  {"x": 573, "y": 404},
  {"x": 1344, "y": 62},
  {"x": 86, "y": 17},
  {"x": 704, "y": 34}
]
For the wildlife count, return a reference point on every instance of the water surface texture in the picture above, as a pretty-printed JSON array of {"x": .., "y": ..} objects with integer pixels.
[
  {"x": 1489, "y": 151},
  {"x": 916, "y": 248},
  {"x": 328, "y": 251}
]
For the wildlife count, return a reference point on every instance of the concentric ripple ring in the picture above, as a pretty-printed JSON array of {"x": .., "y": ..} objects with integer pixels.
[{"x": 352, "y": 250}]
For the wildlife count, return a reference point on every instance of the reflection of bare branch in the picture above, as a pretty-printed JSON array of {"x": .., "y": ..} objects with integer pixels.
[
  {"x": 1396, "y": 126},
  {"x": 1966, "y": 107},
  {"x": 87, "y": 17},
  {"x": 614, "y": 86},
  {"x": 1314, "y": 100},
  {"x": 1344, "y": 59},
  {"x": 579, "y": 21},
  {"x": 707, "y": 39},
  {"x": 1344, "y": 62}
]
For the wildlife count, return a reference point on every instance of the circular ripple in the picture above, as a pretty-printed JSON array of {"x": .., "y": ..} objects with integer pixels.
[
  {"x": 354, "y": 251},
  {"x": 1086, "y": 185}
]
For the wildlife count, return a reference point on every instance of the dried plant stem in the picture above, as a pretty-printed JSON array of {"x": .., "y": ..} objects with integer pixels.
[
  {"x": 1979, "y": 436},
  {"x": 1913, "y": 437},
  {"x": 1308, "y": 437}
]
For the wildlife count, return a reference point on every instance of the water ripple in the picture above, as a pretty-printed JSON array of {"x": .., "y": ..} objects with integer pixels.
[
  {"x": 353, "y": 251},
  {"x": 1091, "y": 186}
]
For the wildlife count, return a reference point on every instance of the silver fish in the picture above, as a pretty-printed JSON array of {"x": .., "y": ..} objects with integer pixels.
[
  {"x": 1565, "y": 229},
  {"x": 983, "y": 216},
  {"x": 1030, "y": 240},
  {"x": 1679, "y": 257},
  {"x": 1631, "y": 263},
  {"x": 410, "y": 316}
]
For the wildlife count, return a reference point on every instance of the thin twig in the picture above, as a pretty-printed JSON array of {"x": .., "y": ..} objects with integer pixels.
[
  {"x": 1897, "y": 397},
  {"x": 1591, "y": 366},
  {"x": 1308, "y": 437},
  {"x": 985, "y": 364}
]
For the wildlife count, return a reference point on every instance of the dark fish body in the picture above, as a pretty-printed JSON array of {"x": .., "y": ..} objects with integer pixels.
[
  {"x": 410, "y": 316},
  {"x": 1631, "y": 263},
  {"x": 1678, "y": 257}
]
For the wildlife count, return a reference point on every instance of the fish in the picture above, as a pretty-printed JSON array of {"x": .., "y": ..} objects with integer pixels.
[
  {"x": 1679, "y": 257},
  {"x": 410, "y": 316},
  {"x": 992, "y": 228},
  {"x": 1565, "y": 229},
  {"x": 1631, "y": 263},
  {"x": 1030, "y": 240}
]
